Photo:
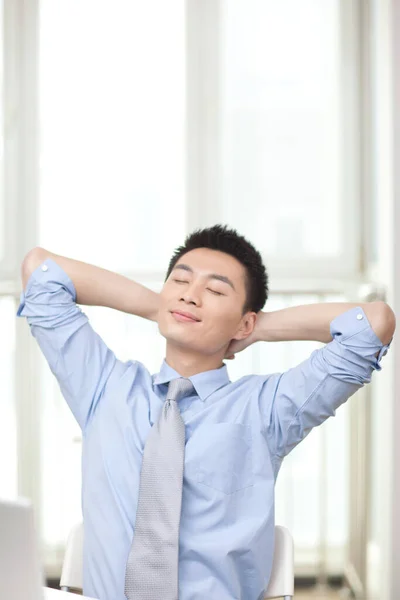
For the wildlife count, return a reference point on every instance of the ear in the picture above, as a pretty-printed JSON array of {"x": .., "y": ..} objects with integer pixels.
[{"x": 246, "y": 326}]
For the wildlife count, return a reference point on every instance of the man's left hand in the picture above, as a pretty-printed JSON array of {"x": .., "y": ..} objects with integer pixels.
[{"x": 238, "y": 345}]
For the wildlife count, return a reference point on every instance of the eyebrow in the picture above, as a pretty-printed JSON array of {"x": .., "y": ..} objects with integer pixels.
[{"x": 211, "y": 276}]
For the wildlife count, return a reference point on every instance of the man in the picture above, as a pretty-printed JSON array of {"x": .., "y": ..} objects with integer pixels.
[{"x": 210, "y": 535}]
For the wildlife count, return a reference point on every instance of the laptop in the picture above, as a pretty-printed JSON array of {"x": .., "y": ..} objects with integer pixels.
[{"x": 21, "y": 574}]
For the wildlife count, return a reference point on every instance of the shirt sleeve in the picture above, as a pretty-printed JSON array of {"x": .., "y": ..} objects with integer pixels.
[
  {"x": 293, "y": 402},
  {"x": 76, "y": 354}
]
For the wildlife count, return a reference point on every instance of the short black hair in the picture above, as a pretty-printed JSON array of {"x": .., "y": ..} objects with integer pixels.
[{"x": 223, "y": 239}]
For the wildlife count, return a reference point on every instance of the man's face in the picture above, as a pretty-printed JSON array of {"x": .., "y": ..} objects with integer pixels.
[{"x": 201, "y": 303}]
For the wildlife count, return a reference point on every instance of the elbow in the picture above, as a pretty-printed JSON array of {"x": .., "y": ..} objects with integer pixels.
[
  {"x": 383, "y": 321},
  {"x": 31, "y": 261}
]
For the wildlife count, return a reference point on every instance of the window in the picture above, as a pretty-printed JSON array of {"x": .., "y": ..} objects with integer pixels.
[
  {"x": 282, "y": 114},
  {"x": 112, "y": 107}
]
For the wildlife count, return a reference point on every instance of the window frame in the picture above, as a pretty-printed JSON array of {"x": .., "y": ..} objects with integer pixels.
[{"x": 204, "y": 149}]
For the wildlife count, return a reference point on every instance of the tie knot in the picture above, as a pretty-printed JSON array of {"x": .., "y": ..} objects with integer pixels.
[{"x": 178, "y": 388}]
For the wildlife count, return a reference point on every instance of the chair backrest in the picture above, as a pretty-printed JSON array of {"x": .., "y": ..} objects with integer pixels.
[
  {"x": 72, "y": 570},
  {"x": 281, "y": 584}
]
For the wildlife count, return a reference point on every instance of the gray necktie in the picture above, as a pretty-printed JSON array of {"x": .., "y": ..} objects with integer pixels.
[{"x": 152, "y": 568}]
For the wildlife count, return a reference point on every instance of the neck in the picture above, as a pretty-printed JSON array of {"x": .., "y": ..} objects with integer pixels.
[{"x": 188, "y": 363}]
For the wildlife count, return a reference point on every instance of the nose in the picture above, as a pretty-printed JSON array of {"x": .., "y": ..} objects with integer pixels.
[{"x": 192, "y": 294}]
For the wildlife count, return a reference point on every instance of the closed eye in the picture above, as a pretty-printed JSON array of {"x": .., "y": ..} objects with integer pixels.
[{"x": 209, "y": 289}]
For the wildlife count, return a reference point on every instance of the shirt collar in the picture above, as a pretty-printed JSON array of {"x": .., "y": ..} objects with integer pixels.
[{"x": 205, "y": 383}]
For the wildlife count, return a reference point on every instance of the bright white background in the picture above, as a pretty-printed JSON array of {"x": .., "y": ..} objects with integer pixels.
[{"x": 151, "y": 119}]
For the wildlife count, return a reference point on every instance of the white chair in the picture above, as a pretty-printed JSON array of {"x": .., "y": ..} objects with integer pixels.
[
  {"x": 72, "y": 574},
  {"x": 281, "y": 584}
]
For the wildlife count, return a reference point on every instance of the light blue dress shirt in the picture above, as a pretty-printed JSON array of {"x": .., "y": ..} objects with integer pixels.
[{"x": 237, "y": 434}]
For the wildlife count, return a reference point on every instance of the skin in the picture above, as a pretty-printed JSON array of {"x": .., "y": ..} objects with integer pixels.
[{"x": 224, "y": 329}]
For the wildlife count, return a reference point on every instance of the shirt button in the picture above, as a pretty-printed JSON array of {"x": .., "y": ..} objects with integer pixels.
[
  {"x": 359, "y": 317},
  {"x": 45, "y": 268}
]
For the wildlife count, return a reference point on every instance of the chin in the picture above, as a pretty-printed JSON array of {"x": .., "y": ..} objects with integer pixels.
[
  {"x": 171, "y": 333},
  {"x": 179, "y": 338}
]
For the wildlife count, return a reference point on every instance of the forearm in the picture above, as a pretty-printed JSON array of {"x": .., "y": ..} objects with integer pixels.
[
  {"x": 96, "y": 286},
  {"x": 312, "y": 321}
]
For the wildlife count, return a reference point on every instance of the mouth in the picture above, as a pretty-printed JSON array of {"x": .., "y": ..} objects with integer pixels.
[{"x": 184, "y": 317}]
